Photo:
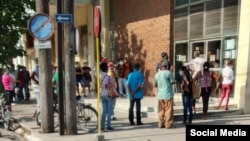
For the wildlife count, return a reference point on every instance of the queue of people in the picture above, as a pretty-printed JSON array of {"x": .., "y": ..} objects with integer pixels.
[{"x": 126, "y": 79}]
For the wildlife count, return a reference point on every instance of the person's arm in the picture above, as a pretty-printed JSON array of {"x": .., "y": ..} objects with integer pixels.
[
  {"x": 33, "y": 77},
  {"x": 196, "y": 77}
]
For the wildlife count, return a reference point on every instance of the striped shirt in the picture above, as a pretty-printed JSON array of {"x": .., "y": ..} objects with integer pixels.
[{"x": 205, "y": 80}]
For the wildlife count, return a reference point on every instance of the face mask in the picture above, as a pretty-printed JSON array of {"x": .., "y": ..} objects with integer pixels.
[
  {"x": 121, "y": 63},
  {"x": 181, "y": 73}
]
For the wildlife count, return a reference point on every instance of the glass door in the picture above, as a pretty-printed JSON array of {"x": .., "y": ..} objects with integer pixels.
[
  {"x": 200, "y": 47},
  {"x": 214, "y": 53},
  {"x": 181, "y": 57}
]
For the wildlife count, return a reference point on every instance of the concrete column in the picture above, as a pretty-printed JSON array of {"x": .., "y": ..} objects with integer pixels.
[
  {"x": 104, "y": 9},
  {"x": 242, "y": 83}
]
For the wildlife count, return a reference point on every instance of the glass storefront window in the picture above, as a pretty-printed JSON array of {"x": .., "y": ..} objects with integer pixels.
[
  {"x": 181, "y": 57},
  {"x": 198, "y": 46},
  {"x": 213, "y": 53},
  {"x": 181, "y": 2}
]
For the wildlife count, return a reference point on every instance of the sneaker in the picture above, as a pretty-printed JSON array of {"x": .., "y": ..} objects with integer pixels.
[
  {"x": 113, "y": 118},
  {"x": 110, "y": 128},
  {"x": 132, "y": 123}
]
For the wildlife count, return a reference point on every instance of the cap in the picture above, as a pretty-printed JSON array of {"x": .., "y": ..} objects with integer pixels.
[
  {"x": 110, "y": 65},
  {"x": 164, "y": 63},
  {"x": 104, "y": 59},
  {"x": 206, "y": 66}
]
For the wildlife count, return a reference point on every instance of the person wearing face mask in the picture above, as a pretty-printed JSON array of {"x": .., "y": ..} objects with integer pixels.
[
  {"x": 121, "y": 78},
  {"x": 227, "y": 83},
  {"x": 187, "y": 97}
]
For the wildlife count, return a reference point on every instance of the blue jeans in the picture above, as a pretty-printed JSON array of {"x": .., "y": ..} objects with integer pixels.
[
  {"x": 187, "y": 107},
  {"x": 107, "y": 110}
]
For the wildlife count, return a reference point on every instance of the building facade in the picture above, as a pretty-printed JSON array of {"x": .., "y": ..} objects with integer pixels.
[{"x": 140, "y": 30}]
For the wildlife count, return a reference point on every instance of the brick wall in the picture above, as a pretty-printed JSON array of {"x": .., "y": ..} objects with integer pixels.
[{"x": 142, "y": 32}]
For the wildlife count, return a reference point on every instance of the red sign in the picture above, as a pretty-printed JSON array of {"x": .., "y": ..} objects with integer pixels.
[{"x": 97, "y": 22}]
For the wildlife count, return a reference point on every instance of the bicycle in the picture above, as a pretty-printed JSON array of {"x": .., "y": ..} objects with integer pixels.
[
  {"x": 87, "y": 116},
  {"x": 5, "y": 115}
]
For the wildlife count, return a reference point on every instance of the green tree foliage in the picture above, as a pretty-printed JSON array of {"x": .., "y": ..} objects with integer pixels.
[{"x": 14, "y": 15}]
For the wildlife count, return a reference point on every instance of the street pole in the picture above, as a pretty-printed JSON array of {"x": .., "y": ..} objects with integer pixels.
[
  {"x": 69, "y": 52},
  {"x": 45, "y": 77},
  {"x": 60, "y": 69}
]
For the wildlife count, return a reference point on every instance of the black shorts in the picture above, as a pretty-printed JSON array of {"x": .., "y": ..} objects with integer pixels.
[{"x": 9, "y": 97}]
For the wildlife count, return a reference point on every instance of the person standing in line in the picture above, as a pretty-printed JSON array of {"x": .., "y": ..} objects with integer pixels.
[
  {"x": 86, "y": 79},
  {"x": 121, "y": 78},
  {"x": 195, "y": 66},
  {"x": 79, "y": 72},
  {"x": 35, "y": 83},
  {"x": 165, "y": 58},
  {"x": 111, "y": 73},
  {"x": 107, "y": 102},
  {"x": 227, "y": 83},
  {"x": 187, "y": 97},
  {"x": 205, "y": 79},
  {"x": 20, "y": 81},
  {"x": 7, "y": 83},
  {"x": 26, "y": 84},
  {"x": 163, "y": 82},
  {"x": 135, "y": 83}
]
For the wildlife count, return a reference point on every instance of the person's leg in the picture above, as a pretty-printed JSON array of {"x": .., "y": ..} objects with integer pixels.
[
  {"x": 138, "y": 111},
  {"x": 120, "y": 85},
  {"x": 193, "y": 105},
  {"x": 205, "y": 99},
  {"x": 109, "y": 112},
  {"x": 222, "y": 96},
  {"x": 189, "y": 106},
  {"x": 125, "y": 86},
  {"x": 184, "y": 103},
  {"x": 227, "y": 93},
  {"x": 161, "y": 114},
  {"x": 169, "y": 113},
  {"x": 37, "y": 94},
  {"x": 77, "y": 87},
  {"x": 104, "y": 111},
  {"x": 113, "y": 110},
  {"x": 131, "y": 112}
]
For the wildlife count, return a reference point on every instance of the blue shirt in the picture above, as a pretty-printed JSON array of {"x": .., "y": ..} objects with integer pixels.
[
  {"x": 135, "y": 78},
  {"x": 164, "y": 80}
]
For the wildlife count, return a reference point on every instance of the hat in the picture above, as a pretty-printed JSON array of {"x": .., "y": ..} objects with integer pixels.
[
  {"x": 104, "y": 59},
  {"x": 110, "y": 65},
  {"x": 206, "y": 66}
]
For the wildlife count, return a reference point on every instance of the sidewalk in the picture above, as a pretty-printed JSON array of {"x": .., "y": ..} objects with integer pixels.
[{"x": 24, "y": 111}]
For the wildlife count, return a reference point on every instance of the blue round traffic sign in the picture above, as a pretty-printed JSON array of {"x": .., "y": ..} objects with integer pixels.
[{"x": 41, "y": 26}]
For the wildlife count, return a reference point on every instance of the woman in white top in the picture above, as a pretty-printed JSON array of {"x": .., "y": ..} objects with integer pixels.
[{"x": 227, "y": 83}]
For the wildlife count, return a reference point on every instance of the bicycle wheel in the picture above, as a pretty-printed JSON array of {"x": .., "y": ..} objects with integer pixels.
[
  {"x": 38, "y": 118},
  {"x": 56, "y": 119},
  {"x": 87, "y": 118}
]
